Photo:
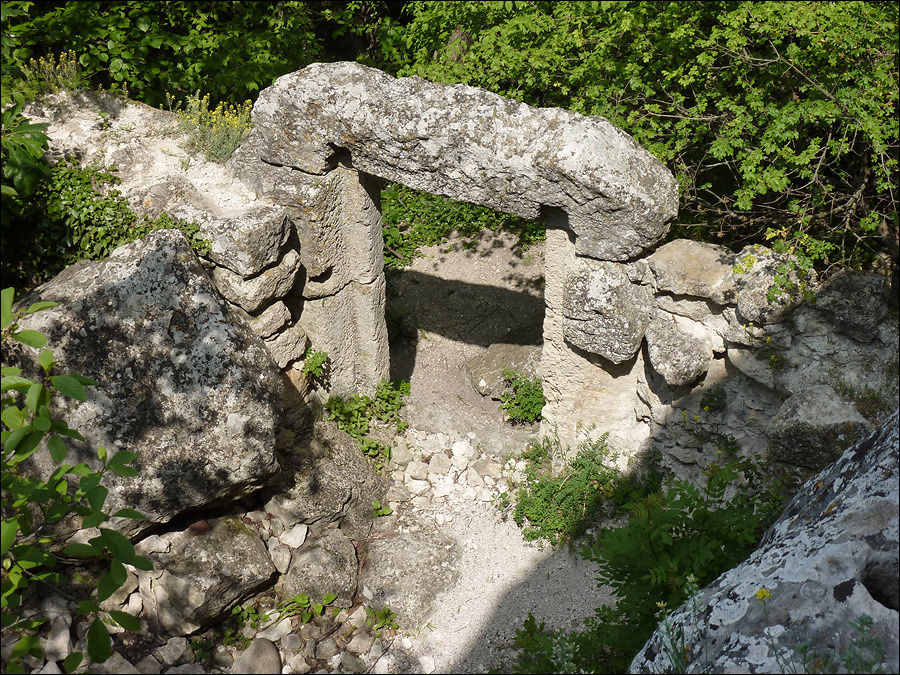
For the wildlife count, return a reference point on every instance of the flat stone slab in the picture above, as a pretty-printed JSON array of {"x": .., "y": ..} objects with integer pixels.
[{"x": 577, "y": 172}]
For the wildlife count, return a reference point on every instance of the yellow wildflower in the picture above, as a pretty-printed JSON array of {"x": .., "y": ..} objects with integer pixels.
[{"x": 762, "y": 594}]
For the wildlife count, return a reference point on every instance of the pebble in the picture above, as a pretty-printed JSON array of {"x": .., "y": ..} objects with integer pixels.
[
  {"x": 361, "y": 643},
  {"x": 416, "y": 470},
  {"x": 295, "y": 536},
  {"x": 148, "y": 665},
  {"x": 290, "y": 643},
  {"x": 298, "y": 664},
  {"x": 276, "y": 631},
  {"x": 439, "y": 464},
  {"x": 326, "y": 649},
  {"x": 175, "y": 652},
  {"x": 262, "y": 656},
  {"x": 463, "y": 449}
]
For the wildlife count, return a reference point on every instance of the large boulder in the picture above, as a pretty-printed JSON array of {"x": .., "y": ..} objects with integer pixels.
[
  {"x": 184, "y": 382},
  {"x": 471, "y": 145},
  {"x": 831, "y": 558},
  {"x": 200, "y": 573}
]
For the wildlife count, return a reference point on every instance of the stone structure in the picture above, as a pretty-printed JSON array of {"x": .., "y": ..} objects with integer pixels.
[{"x": 830, "y": 558}]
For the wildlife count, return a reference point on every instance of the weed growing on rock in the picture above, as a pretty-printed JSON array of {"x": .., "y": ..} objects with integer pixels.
[
  {"x": 316, "y": 366},
  {"x": 871, "y": 402},
  {"x": 379, "y": 510},
  {"x": 523, "y": 400},
  {"x": 381, "y": 619},
  {"x": 354, "y": 415},
  {"x": 51, "y": 74},
  {"x": 216, "y": 133}
]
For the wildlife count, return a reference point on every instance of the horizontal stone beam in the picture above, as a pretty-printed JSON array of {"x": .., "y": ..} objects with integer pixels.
[{"x": 578, "y": 172}]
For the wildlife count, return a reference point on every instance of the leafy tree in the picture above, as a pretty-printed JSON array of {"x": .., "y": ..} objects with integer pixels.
[{"x": 779, "y": 119}]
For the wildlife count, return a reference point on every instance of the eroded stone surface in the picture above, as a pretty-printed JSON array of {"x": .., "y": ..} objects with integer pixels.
[
  {"x": 471, "y": 145},
  {"x": 326, "y": 563},
  {"x": 831, "y": 557},
  {"x": 681, "y": 358},
  {"x": 200, "y": 573},
  {"x": 605, "y": 313},
  {"x": 684, "y": 267},
  {"x": 486, "y": 369},
  {"x": 185, "y": 384}
]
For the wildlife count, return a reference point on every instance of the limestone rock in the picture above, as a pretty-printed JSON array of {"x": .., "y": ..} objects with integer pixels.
[
  {"x": 198, "y": 577},
  {"x": 831, "y": 557},
  {"x": 158, "y": 174},
  {"x": 275, "y": 317},
  {"x": 261, "y": 657},
  {"x": 408, "y": 571},
  {"x": 326, "y": 563},
  {"x": 329, "y": 482},
  {"x": 471, "y": 145},
  {"x": 288, "y": 345},
  {"x": 856, "y": 303},
  {"x": 485, "y": 370},
  {"x": 760, "y": 298},
  {"x": 605, "y": 313},
  {"x": 679, "y": 357},
  {"x": 253, "y": 293},
  {"x": 813, "y": 426},
  {"x": 185, "y": 384},
  {"x": 685, "y": 267}
]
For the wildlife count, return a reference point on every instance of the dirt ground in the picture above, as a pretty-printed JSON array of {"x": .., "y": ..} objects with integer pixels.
[{"x": 446, "y": 308}]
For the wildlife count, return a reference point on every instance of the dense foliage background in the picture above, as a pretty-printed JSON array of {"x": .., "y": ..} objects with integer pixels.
[{"x": 779, "y": 119}]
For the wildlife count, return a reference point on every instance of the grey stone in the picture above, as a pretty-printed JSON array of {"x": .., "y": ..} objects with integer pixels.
[
  {"x": 401, "y": 454},
  {"x": 856, "y": 303},
  {"x": 277, "y": 630},
  {"x": 116, "y": 663},
  {"x": 275, "y": 317},
  {"x": 186, "y": 669},
  {"x": 288, "y": 346},
  {"x": 58, "y": 643},
  {"x": 175, "y": 365},
  {"x": 463, "y": 449},
  {"x": 813, "y": 427},
  {"x": 408, "y": 571},
  {"x": 261, "y": 656},
  {"x": 326, "y": 564},
  {"x": 326, "y": 649},
  {"x": 148, "y": 665},
  {"x": 255, "y": 292},
  {"x": 352, "y": 664},
  {"x": 685, "y": 267},
  {"x": 471, "y": 145},
  {"x": 295, "y": 536},
  {"x": 831, "y": 557},
  {"x": 486, "y": 467},
  {"x": 50, "y": 668},
  {"x": 298, "y": 664},
  {"x": 201, "y": 575},
  {"x": 329, "y": 482},
  {"x": 760, "y": 299},
  {"x": 416, "y": 470},
  {"x": 279, "y": 554},
  {"x": 605, "y": 313},
  {"x": 679, "y": 357},
  {"x": 439, "y": 464},
  {"x": 485, "y": 370},
  {"x": 290, "y": 643},
  {"x": 360, "y": 643}
]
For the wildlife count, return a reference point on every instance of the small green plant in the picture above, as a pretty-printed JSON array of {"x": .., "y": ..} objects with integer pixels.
[
  {"x": 355, "y": 413},
  {"x": 871, "y": 402},
  {"x": 303, "y": 607},
  {"x": 523, "y": 400},
  {"x": 202, "y": 648},
  {"x": 378, "y": 510},
  {"x": 714, "y": 399},
  {"x": 379, "y": 620},
  {"x": 216, "y": 133},
  {"x": 316, "y": 366}
]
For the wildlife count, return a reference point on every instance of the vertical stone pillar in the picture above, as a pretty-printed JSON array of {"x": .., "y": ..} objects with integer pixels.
[
  {"x": 586, "y": 397},
  {"x": 344, "y": 296}
]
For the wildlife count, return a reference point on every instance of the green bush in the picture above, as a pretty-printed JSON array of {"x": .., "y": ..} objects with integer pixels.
[
  {"x": 778, "y": 119},
  {"x": 523, "y": 399},
  {"x": 674, "y": 538},
  {"x": 31, "y": 506},
  {"x": 216, "y": 133}
]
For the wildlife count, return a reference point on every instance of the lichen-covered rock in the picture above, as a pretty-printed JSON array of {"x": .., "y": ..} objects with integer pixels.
[
  {"x": 485, "y": 370},
  {"x": 681, "y": 358},
  {"x": 200, "y": 573},
  {"x": 813, "y": 427},
  {"x": 685, "y": 267},
  {"x": 288, "y": 345},
  {"x": 605, "y": 313},
  {"x": 830, "y": 558},
  {"x": 326, "y": 563},
  {"x": 768, "y": 285},
  {"x": 184, "y": 383},
  {"x": 856, "y": 303},
  {"x": 471, "y": 145}
]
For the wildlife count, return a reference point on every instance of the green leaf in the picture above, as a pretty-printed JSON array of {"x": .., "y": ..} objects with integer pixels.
[
  {"x": 38, "y": 306},
  {"x": 33, "y": 396},
  {"x": 328, "y": 598},
  {"x": 126, "y": 620},
  {"x": 118, "y": 544},
  {"x": 6, "y": 303},
  {"x": 87, "y": 606},
  {"x": 32, "y": 338},
  {"x": 57, "y": 448},
  {"x": 69, "y": 386},
  {"x": 81, "y": 551},
  {"x": 142, "y": 563},
  {"x": 9, "y": 530},
  {"x": 96, "y": 496},
  {"x": 129, "y": 513},
  {"x": 93, "y": 520},
  {"x": 46, "y": 360},
  {"x": 99, "y": 644},
  {"x": 72, "y": 661}
]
